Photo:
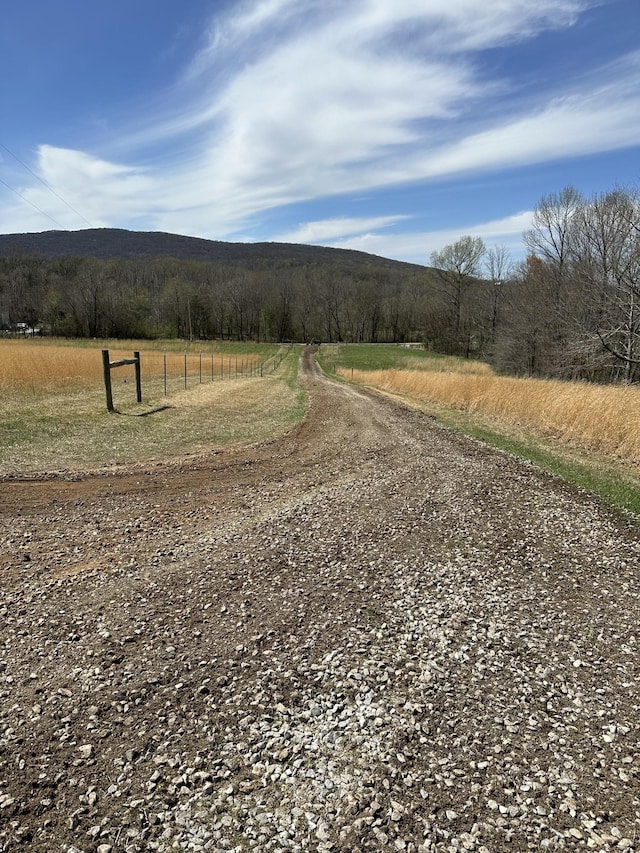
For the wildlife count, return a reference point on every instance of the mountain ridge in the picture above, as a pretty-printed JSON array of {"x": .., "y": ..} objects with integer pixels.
[{"x": 120, "y": 243}]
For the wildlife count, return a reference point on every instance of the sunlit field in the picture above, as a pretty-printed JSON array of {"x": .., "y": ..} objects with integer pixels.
[
  {"x": 605, "y": 418},
  {"x": 41, "y": 365},
  {"x": 53, "y": 409},
  {"x": 334, "y": 357}
]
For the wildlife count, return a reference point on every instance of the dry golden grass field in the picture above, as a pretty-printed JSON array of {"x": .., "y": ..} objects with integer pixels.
[
  {"x": 34, "y": 365},
  {"x": 53, "y": 413},
  {"x": 53, "y": 409}
]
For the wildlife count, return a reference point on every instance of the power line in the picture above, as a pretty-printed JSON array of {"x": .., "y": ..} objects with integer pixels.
[
  {"x": 24, "y": 198},
  {"x": 45, "y": 184}
]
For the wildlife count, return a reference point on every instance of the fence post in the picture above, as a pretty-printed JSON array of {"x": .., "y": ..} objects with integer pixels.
[
  {"x": 185, "y": 368},
  {"x": 136, "y": 356},
  {"x": 106, "y": 370},
  {"x": 164, "y": 364},
  {"x": 107, "y": 379}
]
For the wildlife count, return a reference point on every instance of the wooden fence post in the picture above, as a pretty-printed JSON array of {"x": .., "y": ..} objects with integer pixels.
[
  {"x": 164, "y": 366},
  {"x": 106, "y": 367},
  {"x": 106, "y": 370},
  {"x": 136, "y": 357}
]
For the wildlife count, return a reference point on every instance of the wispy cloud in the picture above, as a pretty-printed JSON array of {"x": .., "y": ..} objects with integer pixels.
[
  {"x": 290, "y": 101},
  {"x": 417, "y": 246},
  {"x": 352, "y": 101},
  {"x": 602, "y": 118},
  {"x": 334, "y": 229}
]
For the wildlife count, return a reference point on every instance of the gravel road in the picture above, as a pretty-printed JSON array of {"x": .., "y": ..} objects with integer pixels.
[{"x": 373, "y": 634}]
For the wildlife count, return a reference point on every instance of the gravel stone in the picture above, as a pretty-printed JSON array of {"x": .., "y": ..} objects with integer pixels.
[{"x": 372, "y": 634}]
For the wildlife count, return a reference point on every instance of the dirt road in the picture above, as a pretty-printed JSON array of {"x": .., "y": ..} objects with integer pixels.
[{"x": 371, "y": 635}]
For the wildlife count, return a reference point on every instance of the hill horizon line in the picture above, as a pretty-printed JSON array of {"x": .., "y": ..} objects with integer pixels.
[{"x": 123, "y": 243}]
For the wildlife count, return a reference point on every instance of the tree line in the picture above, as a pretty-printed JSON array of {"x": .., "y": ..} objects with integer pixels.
[
  {"x": 171, "y": 298},
  {"x": 571, "y": 310}
]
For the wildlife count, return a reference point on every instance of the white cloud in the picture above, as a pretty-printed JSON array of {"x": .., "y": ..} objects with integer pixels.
[
  {"x": 455, "y": 26},
  {"x": 332, "y": 229},
  {"x": 354, "y": 102},
  {"x": 416, "y": 247},
  {"x": 600, "y": 119},
  {"x": 96, "y": 188},
  {"x": 348, "y": 102},
  {"x": 252, "y": 17},
  {"x": 291, "y": 101},
  {"x": 78, "y": 171}
]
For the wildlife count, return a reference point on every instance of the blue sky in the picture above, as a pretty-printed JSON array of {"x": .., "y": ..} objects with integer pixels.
[{"x": 390, "y": 126}]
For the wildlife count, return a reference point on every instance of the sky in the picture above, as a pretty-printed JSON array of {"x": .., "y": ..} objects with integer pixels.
[{"x": 390, "y": 126}]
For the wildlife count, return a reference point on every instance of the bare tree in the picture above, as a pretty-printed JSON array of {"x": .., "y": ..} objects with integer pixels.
[
  {"x": 498, "y": 270},
  {"x": 457, "y": 264},
  {"x": 609, "y": 259},
  {"x": 553, "y": 240},
  {"x": 551, "y": 237}
]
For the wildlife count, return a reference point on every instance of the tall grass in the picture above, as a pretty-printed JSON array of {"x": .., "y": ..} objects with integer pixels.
[
  {"x": 31, "y": 368},
  {"x": 603, "y": 418},
  {"x": 448, "y": 364},
  {"x": 33, "y": 365}
]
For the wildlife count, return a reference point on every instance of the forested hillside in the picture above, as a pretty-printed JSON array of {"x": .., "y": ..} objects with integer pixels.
[
  {"x": 571, "y": 310},
  {"x": 112, "y": 243},
  {"x": 160, "y": 285}
]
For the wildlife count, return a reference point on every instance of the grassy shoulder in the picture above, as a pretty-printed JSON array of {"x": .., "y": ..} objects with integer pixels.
[
  {"x": 336, "y": 357},
  {"x": 617, "y": 483},
  {"x": 68, "y": 428},
  {"x": 552, "y": 446}
]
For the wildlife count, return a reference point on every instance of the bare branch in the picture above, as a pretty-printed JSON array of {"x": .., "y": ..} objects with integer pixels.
[{"x": 614, "y": 352}]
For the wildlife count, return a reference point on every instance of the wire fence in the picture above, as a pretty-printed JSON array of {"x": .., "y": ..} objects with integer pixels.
[{"x": 168, "y": 372}]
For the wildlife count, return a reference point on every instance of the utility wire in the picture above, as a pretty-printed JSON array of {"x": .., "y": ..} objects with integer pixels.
[
  {"x": 24, "y": 198},
  {"x": 45, "y": 184}
]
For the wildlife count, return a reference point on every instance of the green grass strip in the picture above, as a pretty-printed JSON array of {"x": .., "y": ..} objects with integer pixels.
[
  {"x": 610, "y": 486},
  {"x": 371, "y": 356}
]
